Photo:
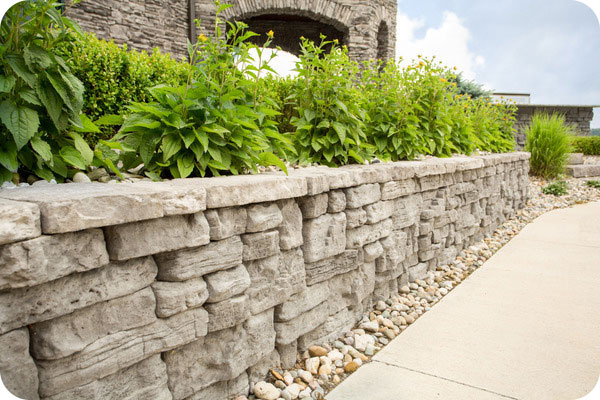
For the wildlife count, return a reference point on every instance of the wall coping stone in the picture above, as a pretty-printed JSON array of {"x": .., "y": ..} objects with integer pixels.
[{"x": 77, "y": 206}]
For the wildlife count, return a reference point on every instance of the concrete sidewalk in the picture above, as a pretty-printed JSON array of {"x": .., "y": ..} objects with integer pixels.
[{"x": 524, "y": 326}]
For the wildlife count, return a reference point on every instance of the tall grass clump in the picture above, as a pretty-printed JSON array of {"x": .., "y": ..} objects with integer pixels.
[{"x": 549, "y": 144}]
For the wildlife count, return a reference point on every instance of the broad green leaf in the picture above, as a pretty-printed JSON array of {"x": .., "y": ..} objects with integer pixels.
[
  {"x": 7, "y": 83},
  {"x": 110, "y": 119},
  {"x": 202, "y": 138},
  {"x": 17, "y": 64},
  {"x": 30, "y": 96},
  {"x": 269, "y": 158},
  {"x": 21, "y": 121},
  {"x": 42, "y": 148},
  {"x": 43, "y": 173},
  {"x": 58, "y": 166},
  {"x": 82, "y": 146},
  {"x": 62, "y": 88},
  {"x": 72, "y": 157},
  {"x": 147, "y": 147},
  {"x": 309, "y": 114},
  {"x": 5, "y": 175},
  {"x": 340, "y": 130},
  {"x": 171, "y": 144},
  {"x": 88, "y": 125},
  {"x": 76, "y": 90},
  {"x": 152, "y": 175},
  {"x": 323, "y": 124},
  {"x": 215, "y": 153},
  {"x": 36, "y": 57},
  {"x": 51, "y": 100},
  {"x": 8, "y": 155},
  {"x": 185, "y": 165}
]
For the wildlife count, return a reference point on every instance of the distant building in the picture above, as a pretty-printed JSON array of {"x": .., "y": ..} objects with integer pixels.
[{"x": 519, "y": 98}]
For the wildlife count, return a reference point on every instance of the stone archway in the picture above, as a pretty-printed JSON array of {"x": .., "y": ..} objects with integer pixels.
[{"x": 383, "y": 42}]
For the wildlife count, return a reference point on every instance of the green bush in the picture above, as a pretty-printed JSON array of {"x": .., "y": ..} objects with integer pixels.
[
  {"x": 589, "y": 145},
  {"x": 40, "y": 99},
  {"x": 219, "y": 122},
  {"x": 594, "y": 184},
  {"x": 548, "y": 142},
  {"x": 558, "y": 188},
  {"x": 114, "y": 77}
]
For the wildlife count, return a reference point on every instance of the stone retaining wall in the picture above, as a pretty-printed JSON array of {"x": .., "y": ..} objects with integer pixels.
[{"x": 190, "y": 289}]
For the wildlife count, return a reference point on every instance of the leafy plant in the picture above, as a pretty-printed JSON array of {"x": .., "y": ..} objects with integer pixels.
[
  {"x": 329, "y": 121},
  {"x": 589, "y": 145},
  {"x": 470, "y": 88},
  {"x": 593, "y": 183},
  {"x": 114, "y": 77},
  {"x": 218, "y": 122},
  {"x": 40, "y": 99},
  {"x": 558, "y": 188},
  {"x": 548, "y": 142}
]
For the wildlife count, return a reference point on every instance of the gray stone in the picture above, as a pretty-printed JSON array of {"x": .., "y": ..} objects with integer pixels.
[
  {"x": 290, "y": 230},
  {"x": 419, "y": 271},
  {"x": 302, "y": 302},
  {"x": 287, "y": 354},
  {"x": 324, "y": 237},
  {"x": 366, "y": 234},
  {"x": 260, "y": 245},
  {"x": 24, "y": 306},
  {"x": 362, "y": 195},
  {"x": 226, "y": 222},
  {"x": 394, "y": 189},
  {"x": 575, "y": 159},
  {"x": 225, "y": 284},
  {"x": 379, "y": 211},
  {"x": 325, "y": 269},
  {"x": 227, "y": 313},
  {"x": 269, "y": 286},
  {"x": 408, "y": 211},
  {"x": 178, "y": 196},
  {"x": 186, "y": 264},
  {"x": 239, "y": 190},
  {"x": 175, "y": 297},
  {"x": 66, "y": 335},
  {"x": 333, "y": 327},
  {"x": 144, "y": 380},
  {"x": 313, "y": 206},
  {"x": 291, "y": 269},
  {"x": 19, "y": 373},
  {"x": 47, "y": 258},
  {"x": 337, "y": 201},
  {"x": 289, "y": 331},
  {"x": 159, "y": 235},
  {"x": 262, "y": 217},
  {"x": 120, "y": 350},
  {"x": 582, "y": 171},
  {"x": 219, "y": 356},
  {"x": 224, "y": 389},
  {"x": 372, "y": 251},
  {"x": 80, "y": 177},
  {"x": 355, "y": 217},
  {"x": 258, "y": 372},
  {"x": 18, "y": 220}
]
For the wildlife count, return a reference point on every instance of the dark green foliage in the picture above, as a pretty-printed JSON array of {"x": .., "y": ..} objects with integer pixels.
[
  {"x": 470, "y": 88},
  {"x": 558, "y": 188},
  {"x": 40, "y": 99},
  {"x": 219, "y": 122},
  {"x": 594, "y": 184},
  {"x": 588, "y": 145},
  {"x": 548, "y": 142},
  {"x": 595, "y": 132},
  {"x": 114, "y": 77}
]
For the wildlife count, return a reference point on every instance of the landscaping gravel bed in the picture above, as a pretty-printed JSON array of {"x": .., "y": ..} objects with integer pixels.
[{"x": 319, "y": 369}]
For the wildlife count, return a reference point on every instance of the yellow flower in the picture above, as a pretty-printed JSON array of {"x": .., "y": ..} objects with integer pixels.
[
  {"x": 455, "y": 68},
  {"x": 301, "y": 37},
  {"x": 453, "y": 83},
  {"x": 443, "y": 80},
  {"x": 202, "y": 38},
  {"x": 335, "y": 41},
  {"x": 270, "y": 34}
]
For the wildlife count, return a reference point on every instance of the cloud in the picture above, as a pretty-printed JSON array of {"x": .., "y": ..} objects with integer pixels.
[{"x": 449, "y": 42}]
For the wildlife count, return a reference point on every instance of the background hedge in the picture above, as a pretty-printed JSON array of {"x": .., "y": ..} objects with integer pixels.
[{"x": 589, "y": 145}]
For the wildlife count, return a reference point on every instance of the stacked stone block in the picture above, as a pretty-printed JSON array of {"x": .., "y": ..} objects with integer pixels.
[{"x": 192, "y": 289}]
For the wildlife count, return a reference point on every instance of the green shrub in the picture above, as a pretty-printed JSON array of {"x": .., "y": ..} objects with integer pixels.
[
  {"x": 218, "y": 122},
  {"x": 329, "y": 121},
  {"x": 589, "y": 145},
  {"x": 40, "y": 99},
  {"x": 114, "y": 77},
  {"x": 594, "y": 184},
  {"x": 558, "y": 188},
  {"x": 548, "y": 142}
]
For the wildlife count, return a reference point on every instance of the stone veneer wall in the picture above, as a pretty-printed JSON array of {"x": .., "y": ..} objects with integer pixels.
[
  {"x": 189, "y": 289},
  {"x": 579, "y": 117}
]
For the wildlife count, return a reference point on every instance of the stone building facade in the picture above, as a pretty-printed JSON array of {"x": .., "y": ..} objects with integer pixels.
[
  {"x": 578, "y": 116},
  {"x": 367, "y": 27}
]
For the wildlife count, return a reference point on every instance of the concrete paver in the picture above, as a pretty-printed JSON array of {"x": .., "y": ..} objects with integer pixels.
[{"x": 525, "y": 326}]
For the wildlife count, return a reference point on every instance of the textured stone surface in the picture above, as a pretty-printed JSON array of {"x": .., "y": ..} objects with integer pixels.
[
  {"x": 227, "y": 313},
  {"x": 313, "y": 206},
  {"x": 18, "y": 220},
  {"x": 66, "y": 335},
  {"x": 219, "y": 356},
  {"x": 143, "y": 238},
  {"x": 355, "y": 217},
  {"x": 224, "y": 389},
  {"x": 289, "y": 331},
  {"x": 26, "y": 306},
  {"x": 185, "y": 264},
  {"x": 262, "y": 217},
  {"x": 324, "y": 236},
  {"x": 394, "y": 189},
  {"x": 176, "y": 297},
  {"x": 119, "y": 350},
  {"x": 366, "y": 234},
  {"x": 337, "y": 201},
  {"x": 19, "y": 373},
  {"x": 379, "y": 211},
  {"x": 290, "y": 230},
  {"x": 46, "y": 258},
  {"x": 260, "y": 245},
  {"x": 226, "y": 222},
  {"x": 362, "y": 195},
  {"x": 330, "y": 267},
  {"x": 227, "y": 283},
  {"x": 144, "y": 380}
]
